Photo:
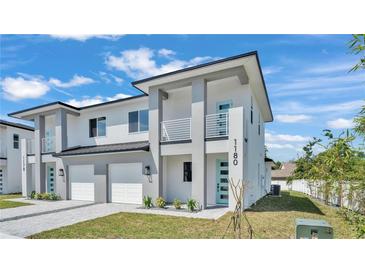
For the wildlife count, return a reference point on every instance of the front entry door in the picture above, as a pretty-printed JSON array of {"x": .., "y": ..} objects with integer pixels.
[
  {"x": 51, "y": 178},
  {"x": 222, "y": 182}
]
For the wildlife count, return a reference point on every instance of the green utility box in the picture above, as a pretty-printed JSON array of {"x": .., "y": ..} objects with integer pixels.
[{"x": 313, "y": 229}]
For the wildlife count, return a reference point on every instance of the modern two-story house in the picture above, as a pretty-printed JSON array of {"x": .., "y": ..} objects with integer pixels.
[
  {"x": 10, "y": 155},
  {"x": 187, "y": 134}
]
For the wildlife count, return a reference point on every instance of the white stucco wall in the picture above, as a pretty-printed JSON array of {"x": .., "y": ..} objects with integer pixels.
[
  {"x": 13, "y": 178},
  {"x": 175, "y": 185},
  {"x": 116, "y": 124}
]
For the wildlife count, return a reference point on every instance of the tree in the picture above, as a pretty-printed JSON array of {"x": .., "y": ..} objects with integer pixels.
[{"x": 357, "y": 46}]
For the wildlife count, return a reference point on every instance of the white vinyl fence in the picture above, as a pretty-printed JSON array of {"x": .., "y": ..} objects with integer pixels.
[{"x": 314, "y": 191}]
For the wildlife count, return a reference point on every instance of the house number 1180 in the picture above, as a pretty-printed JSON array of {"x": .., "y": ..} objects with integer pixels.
[{"x": 235, "y": 154}]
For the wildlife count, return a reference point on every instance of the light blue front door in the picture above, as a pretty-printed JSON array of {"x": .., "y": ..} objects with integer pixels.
[
  {"x": 222, "y": 182},
  {"x": 51, "y": 178}
]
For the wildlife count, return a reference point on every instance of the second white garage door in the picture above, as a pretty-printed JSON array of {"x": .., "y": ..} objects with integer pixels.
[
  {"x": 82, "y": 182},
  {"x": 126, "y": 182}
]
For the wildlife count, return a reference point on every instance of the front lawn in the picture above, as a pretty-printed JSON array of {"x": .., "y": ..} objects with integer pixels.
[
  {"x": 9, "y": 204},
  {"x": 271, "y": 218}
]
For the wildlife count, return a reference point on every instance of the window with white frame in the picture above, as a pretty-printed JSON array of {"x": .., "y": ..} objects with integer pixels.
[
  {"x": 97, "y": 127},
  {"x": 138, "y": 121}
]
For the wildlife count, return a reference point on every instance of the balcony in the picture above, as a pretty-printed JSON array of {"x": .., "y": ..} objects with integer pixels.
[
  {"x": 216, "y": 125},
  {"x": 176, "y": 130},
  {"x": 48, "y": 144}
]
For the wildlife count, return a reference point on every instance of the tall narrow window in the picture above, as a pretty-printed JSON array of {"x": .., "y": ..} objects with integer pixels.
[
  {"x": 187, "y": 171},
  {"x": 259, "y": 126},
  {"x": 138, "y": 120},
  {"x": 251, "y": 111},
  {"x": 97, "y": 127},
  {"x": 16, "y": 141}
]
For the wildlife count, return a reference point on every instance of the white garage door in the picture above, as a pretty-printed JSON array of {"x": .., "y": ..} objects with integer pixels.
[
  {"x": 126, "y": 183},
  {"x": 82, "y": 182}
]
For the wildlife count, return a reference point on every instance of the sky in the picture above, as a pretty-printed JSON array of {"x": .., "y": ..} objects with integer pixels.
[{"x": 307, "y": 76}]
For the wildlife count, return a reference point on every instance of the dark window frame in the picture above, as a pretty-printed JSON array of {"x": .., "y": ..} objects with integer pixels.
[
  {"x": 15, "y": 142},
  {"x": 94, "y": 127},
  {"x": 138, "y": 126},
  {"x": 187, "y": 172}
]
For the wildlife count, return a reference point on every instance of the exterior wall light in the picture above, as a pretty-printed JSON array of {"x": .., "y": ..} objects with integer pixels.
[
  {"x": 147, "y": 170},
  {"x": 61, "y": 172}
]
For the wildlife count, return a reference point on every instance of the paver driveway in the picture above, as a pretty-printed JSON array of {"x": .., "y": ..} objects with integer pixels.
[{"x": 26, "y": 226}]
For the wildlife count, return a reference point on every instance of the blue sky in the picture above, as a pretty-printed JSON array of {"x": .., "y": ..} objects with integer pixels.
[{"x": 306, "y": 75}]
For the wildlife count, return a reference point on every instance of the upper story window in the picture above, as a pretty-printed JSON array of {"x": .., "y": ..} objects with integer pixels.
[
  {"x": 259, "y": 126},
  {"x": 138, "y": 121},
  {"x": 97, "y": 127},
  {"x": 16, "y": 141}
]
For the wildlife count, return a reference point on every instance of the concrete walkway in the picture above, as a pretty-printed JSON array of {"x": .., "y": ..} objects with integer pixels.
[
  {"x": 38, "y": 207},
  {"x": 27, "y": 226}
]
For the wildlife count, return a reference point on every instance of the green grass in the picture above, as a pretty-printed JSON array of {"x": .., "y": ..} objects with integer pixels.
[
  {"x": 9, "y": 204},
  {"x": 271, "y": 218}
]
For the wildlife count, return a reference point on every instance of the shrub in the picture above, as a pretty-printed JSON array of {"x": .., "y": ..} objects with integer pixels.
[
  {"x": 147, "y": 202},
  {"x": 192, "y": 205},
  {"x": 54, "y": 197},
  {"x": 38, "y": 196},
  {"x": 160, "y": 202},
  {"x": 355, "y": 219},
  {"x": 177, "y": 204},
  {"x": 32, "y": 194}
]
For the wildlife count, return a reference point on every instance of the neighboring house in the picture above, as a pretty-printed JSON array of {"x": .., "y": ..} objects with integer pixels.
[
  {"x": 185, "y": 136},
  {"x": 280, "y": 176},
  {"x": 10, "y": 155}
]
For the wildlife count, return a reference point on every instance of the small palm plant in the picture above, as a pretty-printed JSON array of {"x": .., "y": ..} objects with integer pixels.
[
  {"x": 192, "y": 205},
  {"x": 177, "y": 204},
  {"x": 147, "y": 201},
  {"x": 160, "y": 202}
]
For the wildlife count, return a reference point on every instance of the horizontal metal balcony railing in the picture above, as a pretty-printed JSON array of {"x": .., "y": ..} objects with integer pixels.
[
  {"x": 30, "y": 146},
  {"x": 176, "y": 130},
  {"x": 216, "y": 125},
  {"x": 48, "y": 144}
]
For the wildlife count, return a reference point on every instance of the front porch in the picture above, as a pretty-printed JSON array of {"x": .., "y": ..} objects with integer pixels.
[{"x": 178, "y": 181}]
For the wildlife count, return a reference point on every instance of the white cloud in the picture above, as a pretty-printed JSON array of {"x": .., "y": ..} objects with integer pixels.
[
  {"x": 84, "y": 37},
  {"x": 74, "y": 82},
  {"x": 330, "y": 68},
  {"x": 271, "y": 70},
  {"x": 139, "y": 63},
  {"x": 269, "y": 137},
  {"x": 87, "y": 101},
  {"x": 166, "y": 52},
  {"x": 340, "y": 123},
  {"x": 296, "y": 107},
  {"x": 280, "y": 146},
  {"x": 300, "y": 118},
  {"x": 118, "y": 96},
  {"x": 20, "y": 88}
]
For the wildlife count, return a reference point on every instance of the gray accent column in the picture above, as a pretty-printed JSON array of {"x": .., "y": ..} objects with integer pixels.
[
  {"x": 199, "y": 159},
  {"x": 40, "y": 185},
  {"x": 61, "y": 130},
  {"x": 154, "y": 187},
  {"x": 61, "y": 144}
]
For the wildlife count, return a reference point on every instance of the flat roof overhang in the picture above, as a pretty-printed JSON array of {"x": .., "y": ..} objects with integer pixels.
[
  {"x": 28, "y": 114},
  {"x": 243, "y": 65}
]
